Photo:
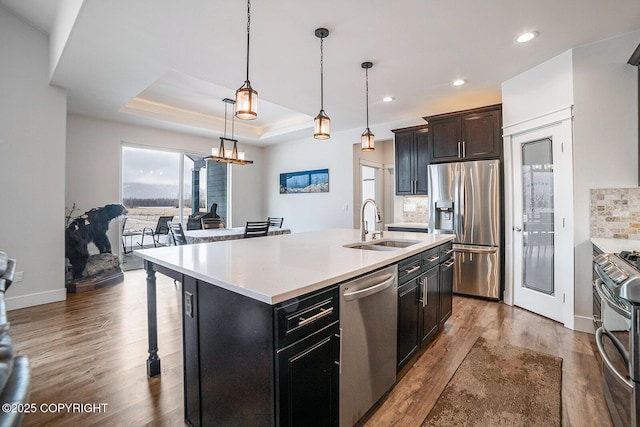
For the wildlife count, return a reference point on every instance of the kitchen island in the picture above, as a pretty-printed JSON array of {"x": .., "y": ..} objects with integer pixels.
[{"x": 247, "y": 303}]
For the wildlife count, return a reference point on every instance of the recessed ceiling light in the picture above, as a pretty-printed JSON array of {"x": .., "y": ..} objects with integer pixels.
[
  {"x": 525, "y": 37},
  {"x": 387, "y": 99},
  {"x": 458, "y": 82}
]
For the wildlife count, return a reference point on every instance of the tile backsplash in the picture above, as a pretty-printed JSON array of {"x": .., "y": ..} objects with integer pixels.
[
  {"x": 415, "y": 209},
  {"x": 615, "y": 213}
]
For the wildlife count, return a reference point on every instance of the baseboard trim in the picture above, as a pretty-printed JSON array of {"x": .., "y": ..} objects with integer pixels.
[
  {"x": 23, "y": 301},
  {"x": 583, "y": 324}
]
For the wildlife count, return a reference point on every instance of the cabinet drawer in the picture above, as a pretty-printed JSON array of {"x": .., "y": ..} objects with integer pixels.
[
  {"x": 409, "y": 268},
  {"x": 300, "y": 317},
  {"x": 430, "y": 258},
  {"x": 446, "y": 251}
]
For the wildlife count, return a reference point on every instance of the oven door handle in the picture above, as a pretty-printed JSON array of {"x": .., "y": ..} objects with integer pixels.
[
  {"x": 614, "y": 306},
  {"x": 599, "y": 342}
]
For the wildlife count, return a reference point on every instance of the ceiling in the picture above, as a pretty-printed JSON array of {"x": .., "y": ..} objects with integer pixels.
[{"x": 169, "y": 64}]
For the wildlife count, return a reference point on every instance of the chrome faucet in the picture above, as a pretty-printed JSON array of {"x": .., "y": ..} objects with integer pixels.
[{"x": 363, "y": 227}]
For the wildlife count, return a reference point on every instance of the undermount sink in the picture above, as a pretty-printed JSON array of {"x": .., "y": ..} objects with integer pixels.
[
  {"x": 382, "y": 245},
  {"x": 395, "y": 243}
]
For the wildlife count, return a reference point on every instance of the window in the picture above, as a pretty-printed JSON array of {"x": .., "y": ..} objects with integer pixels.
[{"x": 159, "y": 182}]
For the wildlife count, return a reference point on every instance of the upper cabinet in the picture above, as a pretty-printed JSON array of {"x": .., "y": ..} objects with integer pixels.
[
  {"x": 466, "y": 135},
  {"x": 412, "y": 160}
]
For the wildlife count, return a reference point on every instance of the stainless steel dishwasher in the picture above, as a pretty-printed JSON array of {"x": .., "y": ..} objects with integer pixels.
[{"x": 368, "y": 335}]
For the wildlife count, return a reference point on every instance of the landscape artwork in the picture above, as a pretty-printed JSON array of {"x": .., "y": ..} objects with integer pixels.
[{"x": 314, "y": 181}]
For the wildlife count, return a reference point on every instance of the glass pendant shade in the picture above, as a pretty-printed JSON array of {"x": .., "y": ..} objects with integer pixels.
[
  {"x": 246, "y": 102},
  {"x": 322, "y": 126},
  {"x": 367, "y": 140}
]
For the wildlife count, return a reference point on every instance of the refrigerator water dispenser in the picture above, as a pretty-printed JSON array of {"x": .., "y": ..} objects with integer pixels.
[{"x": 444, "y": 215}]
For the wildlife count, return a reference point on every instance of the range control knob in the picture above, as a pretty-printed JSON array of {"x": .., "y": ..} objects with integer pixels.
[
  {"x": 600, "y": 259},
  {"x": 619, "y": 276}
]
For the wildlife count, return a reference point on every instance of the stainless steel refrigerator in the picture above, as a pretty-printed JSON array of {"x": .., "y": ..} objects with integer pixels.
[{"x": 464, "y": 199}]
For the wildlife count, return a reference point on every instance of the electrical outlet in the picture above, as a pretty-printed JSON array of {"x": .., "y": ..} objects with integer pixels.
[
  {"x": 18, "y": 276},
  {"x": 345, "y": 207},
  {"x": 409, "y": 207}
]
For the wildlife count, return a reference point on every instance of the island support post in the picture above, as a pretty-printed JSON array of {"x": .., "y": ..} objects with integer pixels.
[{"x": 153, "y": 361}]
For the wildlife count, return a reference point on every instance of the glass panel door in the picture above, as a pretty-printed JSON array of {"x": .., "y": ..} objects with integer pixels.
[
  {"x": 537, "y": 216},
  {"x": 150, "y": 190},
  {"x": 541, "y": 189}
]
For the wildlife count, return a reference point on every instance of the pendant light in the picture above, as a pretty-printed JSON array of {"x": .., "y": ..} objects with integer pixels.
[
  {"x": 223, "y": 154},
  {"x": 246, "y": 97},
  {"x": 367, "y": 137},
  {"x": 322, "y": 121}
]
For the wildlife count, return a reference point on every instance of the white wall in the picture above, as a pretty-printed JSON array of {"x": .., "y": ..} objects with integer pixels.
[
  {"x": 66, "y": 16},
  {"x": 545, "y": 88},
  {"x": 94, "y": 165},
  {"x": 307, "y": 212},
  {"x": 247, "y": 199},
  {"x": 605, "y": 139},
  {"x": 32, "y": 164},
  {"x": 603, "y": 90}
]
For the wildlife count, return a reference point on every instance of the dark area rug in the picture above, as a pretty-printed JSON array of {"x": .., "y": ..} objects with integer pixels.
[{"x": 499, "y": 384}]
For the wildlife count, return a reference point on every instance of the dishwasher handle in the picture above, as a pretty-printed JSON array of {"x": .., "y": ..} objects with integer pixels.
[{"x": 361, "y": 293}]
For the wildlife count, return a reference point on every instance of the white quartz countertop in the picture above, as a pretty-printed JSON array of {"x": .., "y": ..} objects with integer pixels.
[
  {"x": 409, "y": 225},
  {"x": 273, "y": 269},
  {"x": 609, "y": 246}
]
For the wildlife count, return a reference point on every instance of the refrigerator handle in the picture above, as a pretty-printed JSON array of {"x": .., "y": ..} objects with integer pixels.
[{"x": 459, "y": 214}]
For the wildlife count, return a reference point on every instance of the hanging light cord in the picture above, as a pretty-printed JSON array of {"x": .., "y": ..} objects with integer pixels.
[
  {"x": 321, "y": 74},
  {"x": 225, "y": 119},
  {"x": 233, "y": 123},
  {"x": 366, "y": 72},
  {"x": 248, "y": 30}
]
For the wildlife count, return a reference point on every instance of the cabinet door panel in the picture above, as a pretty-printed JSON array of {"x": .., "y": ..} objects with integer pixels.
[
  {"x": 404, "y": 163},
  {"x": 308, "y": 380},
  {"x": 429, "y": 287},
  {"x": 481, "y": 135},
  {"x": 408, "y": 340},
  {"x": 446, "y": 291},
  {"x": 444, "y": 136},
  {"x": 422, "y": 162}
]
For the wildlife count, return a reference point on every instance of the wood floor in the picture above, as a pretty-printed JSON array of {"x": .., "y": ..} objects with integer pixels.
[{"x": 92, "y": 348}]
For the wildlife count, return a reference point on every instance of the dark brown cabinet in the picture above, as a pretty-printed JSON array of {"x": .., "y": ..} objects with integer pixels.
[
  {"x": 308, "y": 341},
  {"x": 425, "y": 295},
  {"x": 268, "y": 365},
  {"x": 429, "y": 301},
  {"x": 408, "y": 313},
  {"x": 466, "y": 135},
  {"x": 412, "y": 160},
  {"x": 446, "y": 283},
  {"x": 308, "y": 377}
]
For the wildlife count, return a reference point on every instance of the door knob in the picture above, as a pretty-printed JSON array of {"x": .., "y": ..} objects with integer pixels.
[{"x": 516, "y": 228}]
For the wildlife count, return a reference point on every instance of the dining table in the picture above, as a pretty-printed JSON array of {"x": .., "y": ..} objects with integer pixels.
[{"x": 218, "y": 234}]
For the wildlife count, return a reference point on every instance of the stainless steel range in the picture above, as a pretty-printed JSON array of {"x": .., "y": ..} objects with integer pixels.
[{"x": 618, "y": 286}]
